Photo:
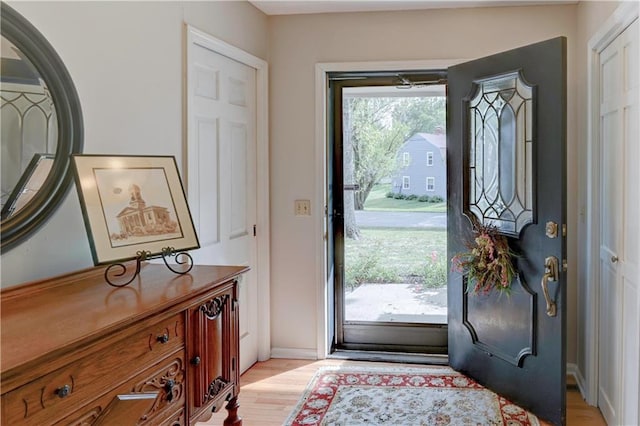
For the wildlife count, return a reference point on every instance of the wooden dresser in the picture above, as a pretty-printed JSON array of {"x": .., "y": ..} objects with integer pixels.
[{"x": 75, "y": 351}]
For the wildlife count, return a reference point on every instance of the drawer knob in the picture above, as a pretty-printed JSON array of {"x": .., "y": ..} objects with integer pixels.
[
  {"x": 195, "y": 360},
  {"x": 163, "y": 339},
  {"x": 64, "y": 391}
]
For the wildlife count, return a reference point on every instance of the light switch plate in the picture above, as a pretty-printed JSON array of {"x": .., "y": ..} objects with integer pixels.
[{"x": 302, "y": 207}]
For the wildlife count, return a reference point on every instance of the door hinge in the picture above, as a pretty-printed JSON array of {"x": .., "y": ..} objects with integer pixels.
[
  {"x": 564, "y": 229},
  {"x": 254, "y": 230}
]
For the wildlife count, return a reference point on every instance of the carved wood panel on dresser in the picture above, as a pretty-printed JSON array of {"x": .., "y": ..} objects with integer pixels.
[{"x": 161, "y": 351}]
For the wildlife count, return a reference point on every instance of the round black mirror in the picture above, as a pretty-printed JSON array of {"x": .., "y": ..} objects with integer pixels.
[{"x": 42, "y": 127}]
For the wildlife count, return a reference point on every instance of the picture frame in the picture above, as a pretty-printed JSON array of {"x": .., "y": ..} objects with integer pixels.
[{"x": 133, "y": 206}]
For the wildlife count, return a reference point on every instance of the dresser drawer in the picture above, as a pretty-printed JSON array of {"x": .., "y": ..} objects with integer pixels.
[
  {"x": 49, "y": 398},
  {"x": 167, "y": 379},
  {"x": 175, "y": 419}
]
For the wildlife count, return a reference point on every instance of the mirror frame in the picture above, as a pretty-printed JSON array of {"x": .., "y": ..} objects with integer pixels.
[{"x": 35, "y": 46}]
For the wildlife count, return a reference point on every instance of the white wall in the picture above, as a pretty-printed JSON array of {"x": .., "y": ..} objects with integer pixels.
[
  {"x": 126, "y": 60},
  {"x": 296, "y": 44}
]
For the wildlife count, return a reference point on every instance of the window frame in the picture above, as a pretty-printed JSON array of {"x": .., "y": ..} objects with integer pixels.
[
  {"x": 406, "y": 182},
  {"x": 430, "y": 158},
  {"x": 406, "y": 159},
  {"x": 433, "y": 184}
]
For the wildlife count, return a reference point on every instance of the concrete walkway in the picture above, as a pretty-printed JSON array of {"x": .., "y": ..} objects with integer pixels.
[
  {"x": 396, "y": 303},
  {"x": 375, "y": 219}
]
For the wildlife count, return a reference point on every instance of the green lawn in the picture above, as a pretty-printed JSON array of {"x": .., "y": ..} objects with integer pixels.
[
  {"x": 377, "y": 201},
  {"x": 397, "y": 255}
]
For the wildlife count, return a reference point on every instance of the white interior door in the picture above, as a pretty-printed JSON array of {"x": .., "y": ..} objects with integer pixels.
[
  {"x": 619, "y": 301},
  {"x": 221, "y": 170}
]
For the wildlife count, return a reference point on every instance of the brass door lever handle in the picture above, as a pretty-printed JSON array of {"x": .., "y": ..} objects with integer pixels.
[{"x": 550, "y": 274}]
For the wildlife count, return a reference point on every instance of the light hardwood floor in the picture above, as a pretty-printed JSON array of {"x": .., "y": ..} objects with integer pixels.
[{"x": 271, "y": 389}]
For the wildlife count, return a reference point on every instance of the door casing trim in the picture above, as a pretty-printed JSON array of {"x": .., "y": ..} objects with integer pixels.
[
  {"x": 321, "y": 84},
  {"x": 622, "y": 17}
]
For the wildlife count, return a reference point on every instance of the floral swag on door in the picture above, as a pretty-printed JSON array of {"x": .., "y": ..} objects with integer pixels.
[{"x": 488, "y": 263}]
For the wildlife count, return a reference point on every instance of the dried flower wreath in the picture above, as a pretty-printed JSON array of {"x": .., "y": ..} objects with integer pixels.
[{"x": 488, "y": 263}]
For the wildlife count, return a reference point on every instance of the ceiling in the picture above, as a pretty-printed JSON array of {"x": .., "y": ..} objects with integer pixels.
[{"x": 294, "y": 7}]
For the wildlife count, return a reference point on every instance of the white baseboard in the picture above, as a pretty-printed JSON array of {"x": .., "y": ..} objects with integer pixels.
[
  {"x": 292, "y": 353},
  {"x": 573, "y": 370}
]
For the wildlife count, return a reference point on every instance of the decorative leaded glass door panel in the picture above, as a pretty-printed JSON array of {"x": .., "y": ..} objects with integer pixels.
[{"x": 499, "y": 189}]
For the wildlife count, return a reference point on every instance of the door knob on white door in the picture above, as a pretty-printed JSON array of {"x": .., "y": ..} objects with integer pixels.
[{"x": 614, "y": 259}]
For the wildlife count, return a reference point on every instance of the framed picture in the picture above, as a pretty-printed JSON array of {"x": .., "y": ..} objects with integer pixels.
[
  {"x": 29, "y": 184},
  {"x": 133, "y": 204}
]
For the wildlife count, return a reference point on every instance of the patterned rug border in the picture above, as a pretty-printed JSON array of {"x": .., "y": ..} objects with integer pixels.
[{"x": 441, "y": 370}]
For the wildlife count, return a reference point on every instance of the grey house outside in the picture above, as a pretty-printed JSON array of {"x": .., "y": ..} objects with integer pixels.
[{"x": 423, "y": 166}]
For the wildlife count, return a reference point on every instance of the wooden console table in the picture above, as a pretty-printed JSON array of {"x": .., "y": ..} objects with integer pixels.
[{"x": 75, "y": 351}]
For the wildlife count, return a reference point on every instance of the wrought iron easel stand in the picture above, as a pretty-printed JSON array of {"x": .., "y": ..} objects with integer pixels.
[{"x": 181, "y": 258}]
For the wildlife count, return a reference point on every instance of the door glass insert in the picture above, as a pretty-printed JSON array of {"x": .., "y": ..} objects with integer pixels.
[
  {"x": 395, "y": 189},
  {"x": 500, "y": 184}
]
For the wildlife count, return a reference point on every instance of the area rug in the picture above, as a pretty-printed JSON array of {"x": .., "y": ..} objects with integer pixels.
[{"x": 348, "y": 396}]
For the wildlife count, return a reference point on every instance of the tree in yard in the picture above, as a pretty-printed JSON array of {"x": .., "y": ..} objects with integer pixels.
[
  {"x": 375, "y": 139},
  {"x": 374, "y": 129},
  {"x": 422, "y": 115},
  {"x": 351, "y": 229}
]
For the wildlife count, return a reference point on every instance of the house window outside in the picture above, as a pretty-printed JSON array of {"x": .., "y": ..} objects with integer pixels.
[
  {"x": 406, "y": 182},
  {"x": 431, "y": 184},
  {"x": 406, "y": 159},
  {"x": 430, "y": 158}
]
